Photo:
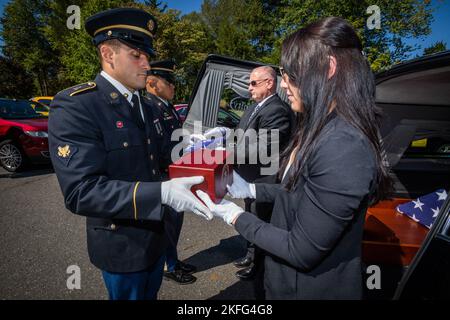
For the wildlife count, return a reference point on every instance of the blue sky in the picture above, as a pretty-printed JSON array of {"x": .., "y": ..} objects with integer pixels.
[
  {"x": 439, "y": 27},
  {"x": 185, "y": 6}
]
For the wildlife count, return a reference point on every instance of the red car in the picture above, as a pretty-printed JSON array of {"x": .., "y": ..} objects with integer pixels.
[{"x": 23, "y": 135}]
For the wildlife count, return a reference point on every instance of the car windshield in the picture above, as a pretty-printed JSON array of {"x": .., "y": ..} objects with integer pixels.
[
  {"x": 39, "y": 107},
  {"x": 45, "y": 101},
  {"x": 17, "y": 109}
]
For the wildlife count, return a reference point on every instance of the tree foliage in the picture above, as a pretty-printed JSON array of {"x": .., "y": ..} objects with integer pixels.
[
  {"x": 25, "y": 43},
  {"x": 16, "y": 82},
  {"x": 435, "y": 48},
  {"x": 38, "y": 43},
  {"x": 384, "y": 46}
]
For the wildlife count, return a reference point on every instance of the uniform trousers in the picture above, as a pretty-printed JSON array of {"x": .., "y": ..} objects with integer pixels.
[{"x": 142, "y": 285}]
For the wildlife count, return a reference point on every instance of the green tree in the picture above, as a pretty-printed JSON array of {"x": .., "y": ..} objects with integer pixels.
[
  {"x": 16, "y": 82},
  {"x": 384, "y": 46},
  {"x": 25, "y": 42},
  {"x": 58, "y": 34},
  {"x": 156, "y": 5},
  {"x": 437, "y": 47},
  {"x": 241, "y": 29},
  {"x": 176, "y": 37},
  {"x": 182, "y": 39},
  {"x": 78, "y": 55}
]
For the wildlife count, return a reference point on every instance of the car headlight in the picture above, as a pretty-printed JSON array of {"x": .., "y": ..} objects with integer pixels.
[{"x": 37, "y": 134}]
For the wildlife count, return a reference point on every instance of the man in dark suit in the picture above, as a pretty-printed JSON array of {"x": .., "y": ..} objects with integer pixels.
[
  {"x": 271, "y": 113},
  {"x": 160, "y": 87},
  {"x": 106, "y": 146}
]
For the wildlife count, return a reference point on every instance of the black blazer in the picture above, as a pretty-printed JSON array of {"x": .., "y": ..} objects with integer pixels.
[
  {"x": 274, "y": 114},
  {"x": 108, "y": 170},
  {"x": 315, "y": 234}
]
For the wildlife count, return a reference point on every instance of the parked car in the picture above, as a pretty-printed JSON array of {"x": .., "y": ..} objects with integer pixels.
[
  {"x": 46, "y": 100},
  {"x": 224, "y": 118},
  {"x": 23, "y": 135},
  {"x": 415, "y": 99},
  {"x": 40, "y": 108}
]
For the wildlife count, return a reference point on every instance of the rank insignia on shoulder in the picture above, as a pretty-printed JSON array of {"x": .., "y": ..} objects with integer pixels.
[
  {"x": 66, "y": 152},
  {"x": 82, "y": 88}
]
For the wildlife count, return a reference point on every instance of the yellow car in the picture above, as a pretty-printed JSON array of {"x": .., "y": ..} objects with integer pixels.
[
  {"x": 41, "y": 105},
  {"x": 44, "y": 100}
]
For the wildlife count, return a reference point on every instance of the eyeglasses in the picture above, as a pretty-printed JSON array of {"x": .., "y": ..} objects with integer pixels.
[
  {"x": 283, "y": 73},
  {"x": 254, "y": 83}
]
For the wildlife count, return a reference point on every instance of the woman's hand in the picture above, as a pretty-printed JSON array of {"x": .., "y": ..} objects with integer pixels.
[
  {"x": 241, "y": 189},
  {"x": 226, "y": 210}
]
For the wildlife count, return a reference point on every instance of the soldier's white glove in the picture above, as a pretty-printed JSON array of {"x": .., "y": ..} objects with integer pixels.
[
  {"x": 195, "y": 138},
  {"x": 226, "y": 210},
  {"x": 241, "y": 189},
  {"x": 177, "y": 194}
]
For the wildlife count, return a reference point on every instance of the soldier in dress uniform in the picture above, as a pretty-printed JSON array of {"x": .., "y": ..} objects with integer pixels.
[
  {"x": 106, "y": 147},
  {"x": 160, "y": 90}
]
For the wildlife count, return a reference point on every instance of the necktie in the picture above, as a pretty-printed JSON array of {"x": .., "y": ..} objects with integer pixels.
[
  {"x": 253, "y": 113},
  {"x": 135, "y": 111}
]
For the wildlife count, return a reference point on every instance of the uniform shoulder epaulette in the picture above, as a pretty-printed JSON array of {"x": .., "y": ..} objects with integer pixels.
[{"x": 81, "y": 88}]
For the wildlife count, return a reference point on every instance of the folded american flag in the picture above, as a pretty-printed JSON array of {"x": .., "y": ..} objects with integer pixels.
[{"x": 425, "y": 209}]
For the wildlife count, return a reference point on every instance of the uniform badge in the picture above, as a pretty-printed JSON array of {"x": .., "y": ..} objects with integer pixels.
[
  {"x": 151, "y": 25},
  {"x": 113, "y": 95},
  {"x": 66, "y": 152},
  {"x": 119, "y": 124}
]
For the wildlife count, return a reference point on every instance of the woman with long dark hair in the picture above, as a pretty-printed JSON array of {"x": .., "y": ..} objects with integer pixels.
[{"x": 332, "y": 170}]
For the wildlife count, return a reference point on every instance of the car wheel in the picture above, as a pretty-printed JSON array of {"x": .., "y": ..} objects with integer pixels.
[{"x": 11, "y": 156}]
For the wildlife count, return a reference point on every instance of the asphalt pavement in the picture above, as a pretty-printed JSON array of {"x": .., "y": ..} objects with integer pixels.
[{"x": 40, "y": 239}]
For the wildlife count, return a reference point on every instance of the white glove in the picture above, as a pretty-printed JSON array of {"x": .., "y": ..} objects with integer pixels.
[
  {"x": 241, "y": 189},
  {"x": 177, "y": 194},
  {"x": 226, "y": 210},
  {"x": 194, "y": 138}
]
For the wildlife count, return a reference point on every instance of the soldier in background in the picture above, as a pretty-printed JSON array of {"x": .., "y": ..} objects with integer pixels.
[{"x": 160, "y": 88}]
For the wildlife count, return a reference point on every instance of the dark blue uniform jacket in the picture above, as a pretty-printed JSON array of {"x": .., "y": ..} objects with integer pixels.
[{"x": 108, "y": 170}]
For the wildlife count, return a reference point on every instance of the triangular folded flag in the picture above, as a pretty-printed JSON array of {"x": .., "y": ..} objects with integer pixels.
[{"x": 424, "y": 209}]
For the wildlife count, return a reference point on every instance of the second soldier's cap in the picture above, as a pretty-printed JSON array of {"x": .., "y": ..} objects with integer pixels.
[
  {"x": 134, "y": 27},
  {"x": 163, "y": 69}
]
